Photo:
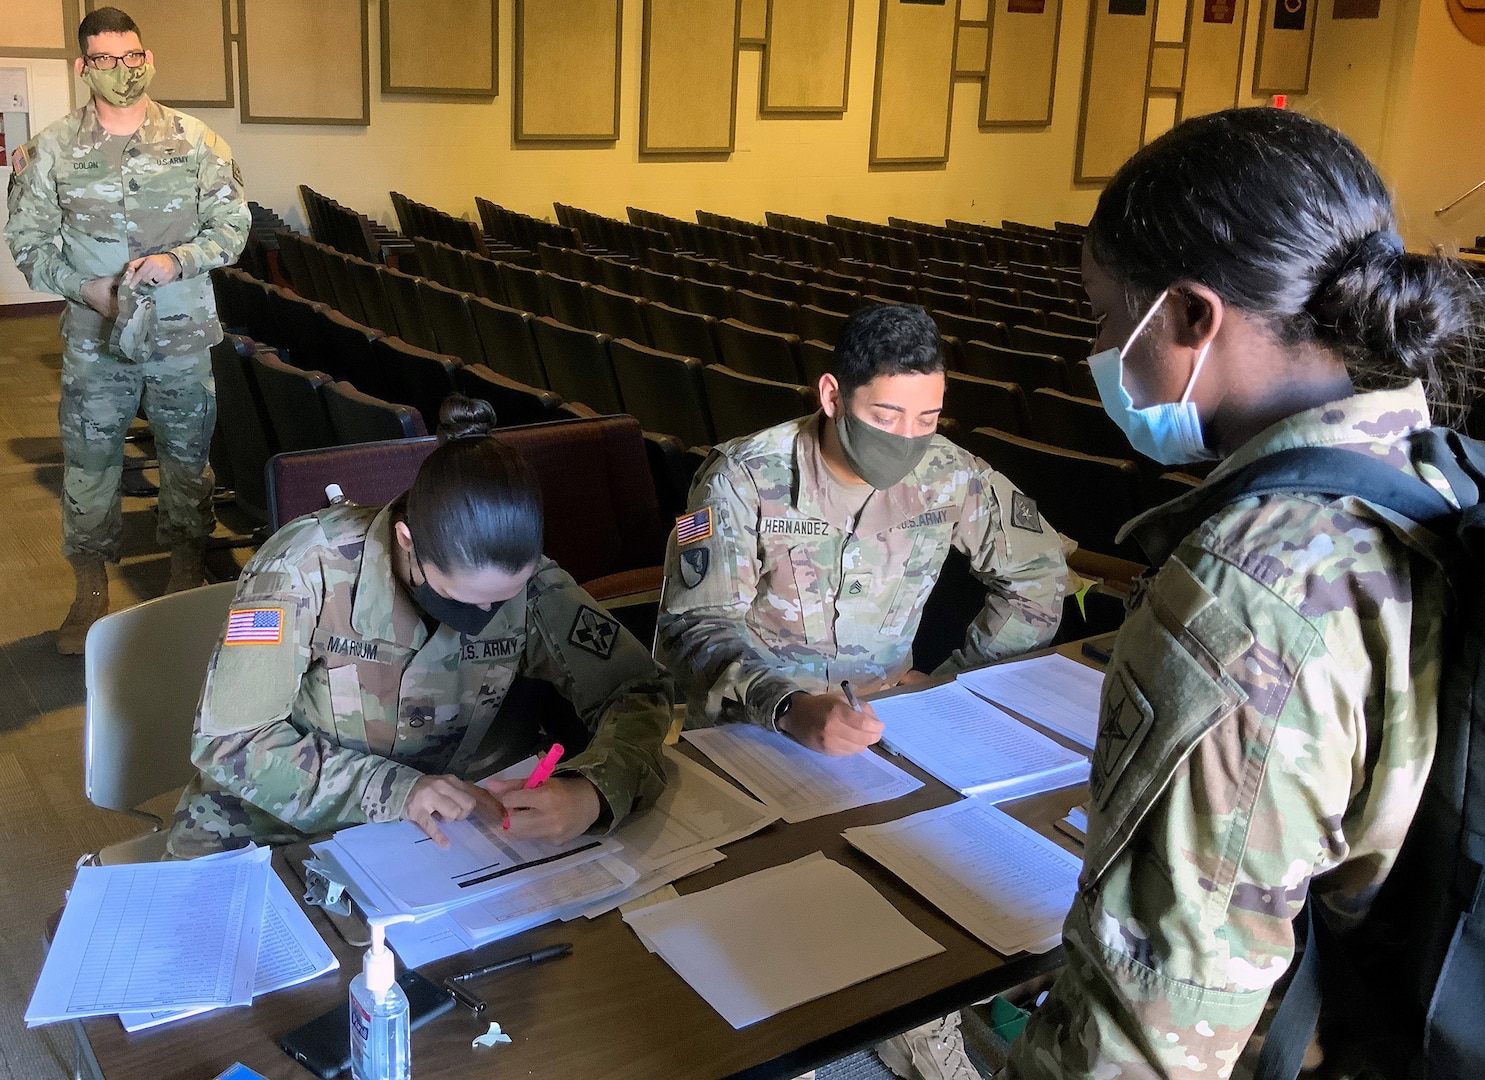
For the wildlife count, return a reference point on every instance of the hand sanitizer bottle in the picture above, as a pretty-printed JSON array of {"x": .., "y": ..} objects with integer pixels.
[{"x": 380, "y": 1043}]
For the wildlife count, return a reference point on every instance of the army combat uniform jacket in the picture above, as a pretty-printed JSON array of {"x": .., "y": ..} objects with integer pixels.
[
  {"x": 76, "y": 215},
  {"x": 1268, "y": 721},
  {"x": 770, "y": 587},
  {"x": 329, "y": 696}
]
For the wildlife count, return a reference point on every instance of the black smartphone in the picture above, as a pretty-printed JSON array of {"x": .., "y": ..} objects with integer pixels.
[{"x": 323, "y": 1046}]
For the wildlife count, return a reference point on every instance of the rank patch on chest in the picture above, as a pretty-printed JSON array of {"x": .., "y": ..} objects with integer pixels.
[
  {"x": 1023, "y": 513},
  {"x": 695, "y": 562},
  {"x": 594, "y": 632},
  {"x": 693, "y": 528}
]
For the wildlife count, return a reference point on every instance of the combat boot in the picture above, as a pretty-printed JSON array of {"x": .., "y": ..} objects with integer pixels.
[
  {"x": 90, "y": 604},
  {"x": 186, "y": 568}
]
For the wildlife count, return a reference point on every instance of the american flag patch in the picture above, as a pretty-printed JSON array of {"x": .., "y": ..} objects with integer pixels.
[
  {"x": 693, "y": 527},
  {"x": 255, "y": 626}
]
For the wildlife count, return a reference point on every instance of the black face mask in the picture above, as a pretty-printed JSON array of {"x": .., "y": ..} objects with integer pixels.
[{"x": 468, "y": 619}]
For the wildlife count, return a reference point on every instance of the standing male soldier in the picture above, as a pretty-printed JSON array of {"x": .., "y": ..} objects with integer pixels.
[{"x": 124, "y": 207}]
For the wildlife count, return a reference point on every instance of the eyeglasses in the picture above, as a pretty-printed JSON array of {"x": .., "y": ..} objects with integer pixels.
[{"x": 105, "y": 62}]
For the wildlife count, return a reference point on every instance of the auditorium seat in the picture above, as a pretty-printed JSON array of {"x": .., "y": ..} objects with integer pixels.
[
  {"x": 764, "y": 354},
  {"x": 1029, "y": 370},
  {"x": 453, "y": 324},
  {"x": 294, "y": 326},
  {"x": 296, "y": 264},
  {"x": 319, "y": 273},
  {"x": 706, "y": 298},
  {"x": 1075, "y": 325},
  {"x": 756, "y": 309},
  {"x": 819, "y": 323},
  {"x": 620, "y": 276},
  {"x": 406, "y": 298},
  {"x": 358, "y": 418},
  {"x": 772, "y": 285},
  {"x": 966, "y": 328},
  {"x": 486, "y": 276},
  {"x": 742, "y": 404},
  {"x": 577, "y": 365},
  {"x": 566, "y": 300},
  {"x": 617, "y": 314},
  {"x": 977, "y": 402},
  {"x": 999, "y": 294},
  {"x": 831, "y": 298},
  {"x": 1080, "y": 380},
  {"x": 291, "y": 398},
  {"x": 523, "y": 287},
  {"x": 666, "y": 288},
  {"x": 1072, "y": 349},
  {"x": 514, "y": 402},
  {"x": 348, "y": 355},
  {"x": 663, "y": 391},
  {"x": 1010, "y": 314},
  {"x": 950, "y": 303},
  {"x": 422, "y": 378},
  {"x": 1075, "y": 423},
  {"x": 372, "y": 292},
  {"x": 242, "y": 423},
  {"x": 510, "y": 349},
  {"x": 687, "y": 333},
  {"x": 1049, "y": 303},
  {"x": 816, "y": 358}
]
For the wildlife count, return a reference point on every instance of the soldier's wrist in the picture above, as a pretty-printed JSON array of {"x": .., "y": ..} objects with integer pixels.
[{"x": 781, "y": 710}]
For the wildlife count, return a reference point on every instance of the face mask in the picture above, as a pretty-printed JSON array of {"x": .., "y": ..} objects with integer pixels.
[
  {"x": 879, "y": 457},
  {"x": 121, "y": 86},
  {"x": 468, "y": 619},
  {"x": 1169, "y": 433}
]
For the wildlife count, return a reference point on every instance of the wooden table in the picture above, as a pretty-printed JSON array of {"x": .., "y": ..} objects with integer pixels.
[{"x": 612, "y": 1010}]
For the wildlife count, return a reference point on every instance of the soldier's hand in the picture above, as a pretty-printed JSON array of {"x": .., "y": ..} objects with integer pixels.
[
  {"x": 444, "y": 798},
  {"x": 102, "y": 295},
  {"x": 827, "y": 723},
  {"x": 912, "y": 677},
  {"x": 151, "y": 270},
  {"x": 563, "y": 807}
]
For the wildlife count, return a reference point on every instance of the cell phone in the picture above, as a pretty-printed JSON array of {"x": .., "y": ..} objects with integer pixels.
[{"x": 323, "y": 1046}]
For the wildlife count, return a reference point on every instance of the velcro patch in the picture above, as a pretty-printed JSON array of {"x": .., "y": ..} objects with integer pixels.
[
  {"x": 19, "y": 160},
  {"x": 1024, "y": 514},
  {"x": 255, "y": 626},
  {"x": 594, "y": 632},
  {"x": 692, "y": 528},
  {"x": 695, "y": 562}
]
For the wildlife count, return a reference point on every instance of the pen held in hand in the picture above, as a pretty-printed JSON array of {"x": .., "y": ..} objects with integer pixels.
[{"x": 850, "y": 695}]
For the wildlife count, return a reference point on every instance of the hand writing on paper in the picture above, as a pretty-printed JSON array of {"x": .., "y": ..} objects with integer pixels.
[
  {"x": 827, "y": 723},
  {"x": 558, "y": 810},
  {"x": 445, "y": 798}
]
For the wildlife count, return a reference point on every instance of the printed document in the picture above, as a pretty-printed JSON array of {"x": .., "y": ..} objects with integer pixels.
[
  {"x": 975, "y": 747},
  {"x": 1007, "y": 885},
  {"x": 1060, "y": 694},
  {"x": 149, "y": 936},
  {"x": 760, "y": 944},
  {"x": 796, "y": 783}
]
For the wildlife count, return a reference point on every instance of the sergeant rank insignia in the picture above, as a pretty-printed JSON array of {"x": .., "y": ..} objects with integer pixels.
[
  {"x": 695, "y": 562},
  {"x": 594, "y": 632},
  {"x": 1023, "y": 513},
  {"x": 694, "y": 527}
]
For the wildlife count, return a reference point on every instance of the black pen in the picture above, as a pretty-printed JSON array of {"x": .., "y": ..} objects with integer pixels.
[
  {"x": 464, "y": 997},
  {"x": 552, "y": 952},
  {"x": 850, "y": 695}
]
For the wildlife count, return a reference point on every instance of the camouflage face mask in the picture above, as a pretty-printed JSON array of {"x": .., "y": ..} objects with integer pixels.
[
  {"x": 120, "y": 85},
  {"x": 133, "y": 333}
]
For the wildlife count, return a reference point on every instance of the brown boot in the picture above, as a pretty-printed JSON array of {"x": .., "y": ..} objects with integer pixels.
[
  {"x": 186, "y": 567},
  {"x": 90, "y": 604}
]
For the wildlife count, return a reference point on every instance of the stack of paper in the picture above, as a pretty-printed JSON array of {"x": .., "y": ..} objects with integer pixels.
[
  {"x": 763, "y": 943},
  {"x": 157, "y": 941},
  {"x": 1060, "y": 694},
  {"x": 796, "y": 783},
  {"x": 974, "y": 747},
  {"x": 1008, "y": 886}
]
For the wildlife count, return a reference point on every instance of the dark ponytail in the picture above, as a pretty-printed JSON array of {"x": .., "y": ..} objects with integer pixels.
[
  {"x": 475, "y": 503},
  {"x": 1287, "y": 220}
]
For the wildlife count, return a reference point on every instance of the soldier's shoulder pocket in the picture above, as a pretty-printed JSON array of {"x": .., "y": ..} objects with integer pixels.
[{"x": 254, "y": 673}]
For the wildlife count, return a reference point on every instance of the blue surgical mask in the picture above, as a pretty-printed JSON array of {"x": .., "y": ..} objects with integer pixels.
[{"x": 1170, "y": 433}]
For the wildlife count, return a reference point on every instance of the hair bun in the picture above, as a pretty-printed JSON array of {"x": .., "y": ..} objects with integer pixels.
[{"x": 463, "y": 417}]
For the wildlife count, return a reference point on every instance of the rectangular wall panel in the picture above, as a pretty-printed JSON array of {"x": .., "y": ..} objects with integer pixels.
[
  {"x": 807, "y": 59},
  {"x": 41, "y": 28},
  {"x": 567, "y": 69},
  {"x": 440, "y": 47},
  {"x": 1286, "y": 35},
  {"x": 754, "y": 16},
  {"x": 304, "y": 61},
  {"x": 915, "y": 83},
  {"x": 1022, "y": 62},
  {"x": 972, "y": 51},
  {"x": 1167, "y": 67},
  {"x": 192, "y": 44},
  {"x": 688, "y": 80},
  {"x": 1115, "y": 75},
  {"x": 1214, "y": 56}
]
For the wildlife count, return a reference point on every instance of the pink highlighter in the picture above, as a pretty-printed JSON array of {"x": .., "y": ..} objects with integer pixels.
[{"x": 539, "y": 775}]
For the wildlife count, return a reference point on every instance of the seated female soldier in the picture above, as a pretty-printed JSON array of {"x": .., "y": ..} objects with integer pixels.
[{"x": 368, "y": 652}]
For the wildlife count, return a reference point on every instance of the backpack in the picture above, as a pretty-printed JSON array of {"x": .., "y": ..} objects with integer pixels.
[{"x": 1409, "y": 984}]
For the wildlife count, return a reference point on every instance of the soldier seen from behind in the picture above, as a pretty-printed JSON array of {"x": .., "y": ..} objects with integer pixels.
[
  {"x": 368, "y": 654},
  {"x": 123, "y": 208},
  {"x": 1269, "y": 712}
]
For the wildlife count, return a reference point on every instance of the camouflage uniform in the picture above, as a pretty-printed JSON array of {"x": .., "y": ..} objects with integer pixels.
[
  {"x": 178, "y": 192},
  {"x": 782, "y": 593},
  {"x": 332, "y": 724},
  {"x": 1268, "y": 718}
]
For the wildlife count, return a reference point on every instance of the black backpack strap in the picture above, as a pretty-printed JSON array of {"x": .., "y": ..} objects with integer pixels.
[{"x": 1294, "y": 1020}]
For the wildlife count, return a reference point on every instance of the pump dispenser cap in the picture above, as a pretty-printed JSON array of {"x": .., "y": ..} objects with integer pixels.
[{"x": 380, "y": 964}]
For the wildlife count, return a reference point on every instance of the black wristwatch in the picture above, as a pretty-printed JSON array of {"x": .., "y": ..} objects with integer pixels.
[{"x": 782, "y": 709}]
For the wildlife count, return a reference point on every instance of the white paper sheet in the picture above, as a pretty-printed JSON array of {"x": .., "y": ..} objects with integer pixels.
[
  {"x": 1060, "y": 694},
  {"x": 800, "y": 784},
  {"x": 694, "y": 863},
  {"x": 763, "y": 943},
  {"x": 290, "y": 952},
  {"x": 148, "y": 936},
  {"x": 974, "y": 746},
  {"x": 1007, "y": 885},
  {"x": 539, "y": 901}
]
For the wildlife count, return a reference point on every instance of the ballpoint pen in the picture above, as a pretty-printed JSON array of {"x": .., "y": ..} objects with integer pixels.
[
  {"x": 850, "y": 695},
  {"x": 551, "y": 952}
]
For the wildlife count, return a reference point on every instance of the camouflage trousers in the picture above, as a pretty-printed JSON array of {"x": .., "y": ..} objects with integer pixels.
[{"x": 101, "y": 393}]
